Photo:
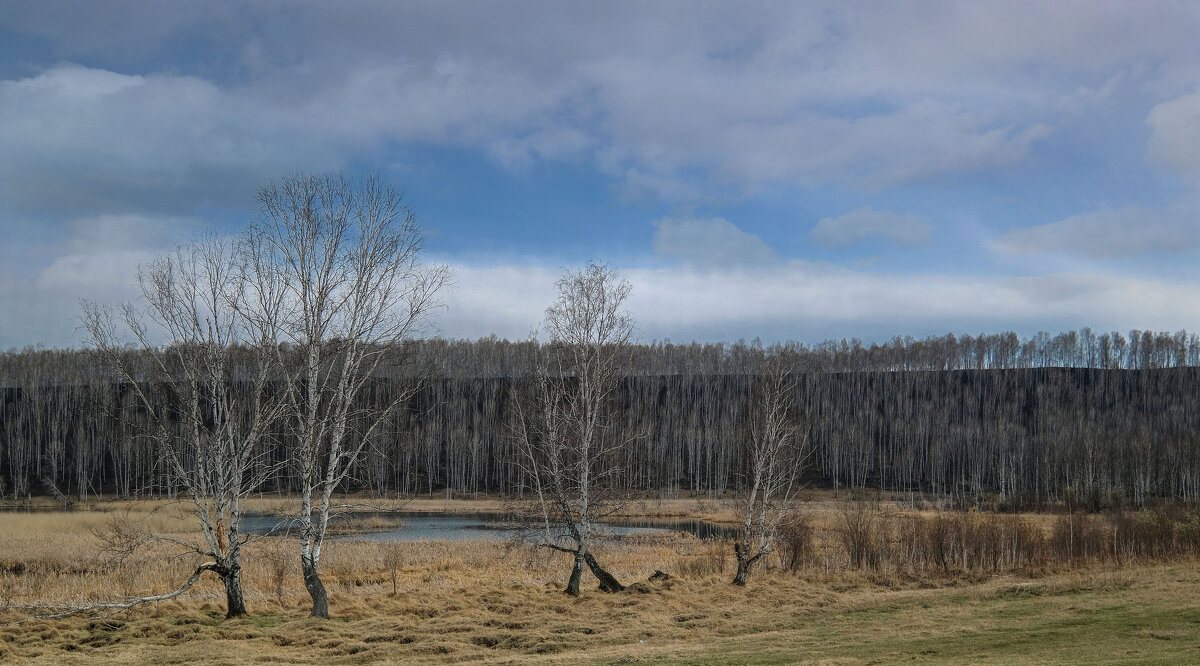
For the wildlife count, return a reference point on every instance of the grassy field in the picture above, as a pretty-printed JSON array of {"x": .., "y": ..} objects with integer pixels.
[{"x": 489, "y": 602}]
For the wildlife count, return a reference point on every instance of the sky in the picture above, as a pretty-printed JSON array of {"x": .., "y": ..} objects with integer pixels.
[{"x": 789, "y": 171}]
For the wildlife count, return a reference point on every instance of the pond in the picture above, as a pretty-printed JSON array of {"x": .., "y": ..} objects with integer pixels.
[{"x": 422, "y": 526}]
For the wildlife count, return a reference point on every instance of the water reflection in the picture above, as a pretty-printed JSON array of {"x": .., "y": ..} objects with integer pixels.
[{"x": 422, "y": 526}]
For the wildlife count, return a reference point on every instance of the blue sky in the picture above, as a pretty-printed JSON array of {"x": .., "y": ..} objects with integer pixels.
[{"x": 784, "y": 170}]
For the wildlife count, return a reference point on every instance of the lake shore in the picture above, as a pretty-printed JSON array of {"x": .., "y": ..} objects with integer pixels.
[{"x": 501, "y": 602}]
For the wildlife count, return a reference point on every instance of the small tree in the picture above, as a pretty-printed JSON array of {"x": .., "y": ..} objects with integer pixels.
[
  {"x": 563, "y": 427},
  {"x": 206, "y": 393},
  {"x": 775, "y": 453},
  {"x": 343, "y": 259}
]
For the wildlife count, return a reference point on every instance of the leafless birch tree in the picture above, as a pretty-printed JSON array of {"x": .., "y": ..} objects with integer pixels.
[
  {"x": 775, "y": 454},
  {"x": 345, "y": 259},
  {"x": 206, "y": 393},
  {"x": 564, "y": 430}
]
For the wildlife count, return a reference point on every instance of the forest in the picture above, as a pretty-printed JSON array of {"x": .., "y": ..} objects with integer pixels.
[{"x": 1102, "y": 420}]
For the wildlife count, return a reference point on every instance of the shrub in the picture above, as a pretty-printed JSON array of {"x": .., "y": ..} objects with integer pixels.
[{"x": 795, "y": 542}]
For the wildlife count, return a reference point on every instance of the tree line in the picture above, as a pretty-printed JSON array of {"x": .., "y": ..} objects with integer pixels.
[{"x": 946, "y": 416}]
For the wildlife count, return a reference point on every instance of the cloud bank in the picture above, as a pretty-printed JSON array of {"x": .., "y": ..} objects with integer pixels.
[
  {"x": 809, "y": 302},
  {"x": 866, "y": 222},
  {"x": 1108, "y": 234},
  {"x": 126, "y": 126},
  {"x": 797, "y": 93},
  {"x": 712, "y": 243}
]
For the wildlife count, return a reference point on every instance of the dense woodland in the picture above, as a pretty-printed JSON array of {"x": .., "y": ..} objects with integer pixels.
[{"x": 1085, "y": 418}]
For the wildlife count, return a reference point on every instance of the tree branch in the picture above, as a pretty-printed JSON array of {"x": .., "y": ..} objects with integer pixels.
[{"x": 123, "y": 605}]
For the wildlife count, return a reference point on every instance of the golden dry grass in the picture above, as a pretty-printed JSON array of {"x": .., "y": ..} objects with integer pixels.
[{"x": 491, "y": 602}]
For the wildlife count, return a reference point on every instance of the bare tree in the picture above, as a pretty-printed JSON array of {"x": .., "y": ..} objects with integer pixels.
[
  {"x": 775, "y": 453},
  {"x": 564, "y": 426},
  {"x": 343, "y": 258},
  {"x": 206, "y": 393}
]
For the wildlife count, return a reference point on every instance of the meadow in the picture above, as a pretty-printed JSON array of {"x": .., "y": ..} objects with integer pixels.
[{"x": 863, "y": 582}]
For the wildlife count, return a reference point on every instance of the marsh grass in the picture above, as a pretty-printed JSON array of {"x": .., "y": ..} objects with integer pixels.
[{"x": 496, "y": 602}]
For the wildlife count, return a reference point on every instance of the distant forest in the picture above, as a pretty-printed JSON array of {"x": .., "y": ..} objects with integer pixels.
[{"x": 1092, "y": 419}]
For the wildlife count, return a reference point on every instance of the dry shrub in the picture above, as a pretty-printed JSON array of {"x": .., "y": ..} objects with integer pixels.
[
  {"x": 795, "y": 541},
  {"x": 978, "y": 543},
  {"x": 967, "y": 542},
  {"x": 1078, "y": 538},
  {"x": 849, "y": 542},
  {"x": 936, "y": 537},
  {"x": 1187, "y": 532},
  {"x": 910, "y": 548},
  {"x": 858, "y": 530},
  {"x": 393, "y": 561},
  {"x": 1144, "y": 534},
  {"x": 1161, "y": 533},
  {"x": 706, "y": 559},
  {"x": 1026, "y": 542},
  {"x": 279, "y": 558}
]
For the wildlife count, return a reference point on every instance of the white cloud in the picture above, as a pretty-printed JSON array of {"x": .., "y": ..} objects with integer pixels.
[
  {"x": 1110, "y": 233},
  {"x": 791, "y": 93},
  {"x": 810, "y": 302},
  {"x": 94, "y": 240},
  {"x": 81, "y": 139},
  {"x": 1175, "y": 133},
  {"x": 507, "y": 300},
  {"x": 97, "y": 260},
  {"x": 714, "y": 103},
  {"x": 862, "y": 223},
  {"x": 76, "y": 84},
  {"x": 709, "y": 243},
  {"x": 780, "y": 301}
]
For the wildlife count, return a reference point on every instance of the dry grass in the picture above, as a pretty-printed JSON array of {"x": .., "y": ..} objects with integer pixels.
[{"x": 491, "y": 602}]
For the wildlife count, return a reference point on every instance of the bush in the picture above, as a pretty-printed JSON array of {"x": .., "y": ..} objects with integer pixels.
[
  {"x": 857, "y": 532},
  {"x": 794, "y": 542}
]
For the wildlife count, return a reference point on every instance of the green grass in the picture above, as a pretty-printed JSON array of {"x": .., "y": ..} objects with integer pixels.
[
  {"x": 1140, "y": 622},
  {"x": 1144, "y": 615}
]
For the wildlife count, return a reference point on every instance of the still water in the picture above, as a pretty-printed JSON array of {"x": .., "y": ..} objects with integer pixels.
[{"x": 422, "y": 526}]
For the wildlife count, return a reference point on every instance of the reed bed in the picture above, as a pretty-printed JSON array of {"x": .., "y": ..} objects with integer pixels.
[
  {"x": 60, "y": 559},
  {"x": 915, "y": 546},
  {"x": 441, "y": 601}
]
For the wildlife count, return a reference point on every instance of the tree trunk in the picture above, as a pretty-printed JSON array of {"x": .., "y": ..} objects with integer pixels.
[
  {"x": 316, "y": 589},
  {"x": 743, "y": 567},
  {"x": 743, "y": 563},
  {"x": 235, "y": 600},
  {"x": 608, "y": 583},
  {"x": 576, "y": 574}
]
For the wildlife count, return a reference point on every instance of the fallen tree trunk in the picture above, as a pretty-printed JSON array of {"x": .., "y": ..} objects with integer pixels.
[
  {"x": 608, "y": 582},
  {"x": 123, "y": 605}
]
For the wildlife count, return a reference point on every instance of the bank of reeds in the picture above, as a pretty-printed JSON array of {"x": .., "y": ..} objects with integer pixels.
[
  {"x": 58, "y": 559},
  {"x": 862, "y": 537}
]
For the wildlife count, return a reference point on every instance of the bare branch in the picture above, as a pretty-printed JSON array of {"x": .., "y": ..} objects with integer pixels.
[
  {"x": 338, "y": 287},
  {"x": 120, "y": 605},
  {"x": 562, "y": 427}
]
